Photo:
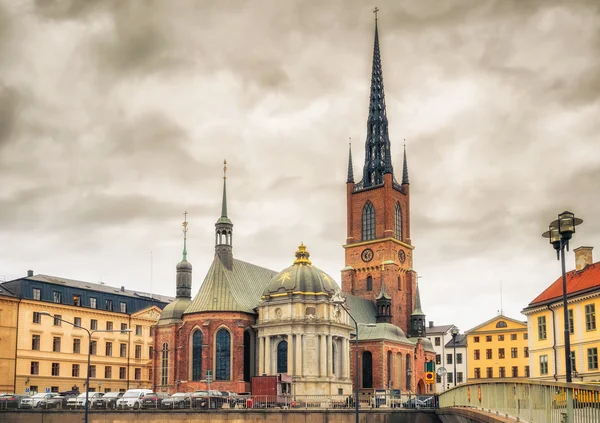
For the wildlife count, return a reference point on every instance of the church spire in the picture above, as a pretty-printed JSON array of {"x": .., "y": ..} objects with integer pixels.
[
  {"x": 378, "y": 160},
  {"x": 224, "y": 229},
  {"x": 183, "y": 280},
  {"x": 350, "y": 166},
  {"x": 417, "y": 318},
  {"x": 405, "y": 168}
]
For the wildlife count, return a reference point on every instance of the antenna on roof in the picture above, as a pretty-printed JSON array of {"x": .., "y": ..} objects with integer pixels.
[{"x": 100, "y": 282}]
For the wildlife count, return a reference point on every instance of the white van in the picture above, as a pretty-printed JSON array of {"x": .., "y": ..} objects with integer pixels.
[{"x": 132, "y": 398}]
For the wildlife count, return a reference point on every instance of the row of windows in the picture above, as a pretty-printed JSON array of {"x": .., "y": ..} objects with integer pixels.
[
  {"x": 139, "y": 330},
  {"x": 369, "y": 283},
  {"x": 75, "y": 371},
  {"x": 489, "y": 372},
  {"x": 592, "y": 361},
  {"x": 34, "y": 389},
  {"x": 57, "y": 297},
  {"x": 368, "y": 222},
  {"x": 459, "y": 358},
  {"x": 57, "y": 342},
  {"x": 488, "y": 338},
  {"x": 450, "y": 377},
  {"x": 590, "y": 322},
  {"x": 514, "y": 353}
]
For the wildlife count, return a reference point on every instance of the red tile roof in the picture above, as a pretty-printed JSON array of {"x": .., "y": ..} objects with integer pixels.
[{"x": 577, "y": 281}]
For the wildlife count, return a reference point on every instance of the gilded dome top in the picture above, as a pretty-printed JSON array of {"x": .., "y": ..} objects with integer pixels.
[{"x": 302, "y": 278}]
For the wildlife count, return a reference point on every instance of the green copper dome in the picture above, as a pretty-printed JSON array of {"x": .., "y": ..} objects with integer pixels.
[{"x": 302, "y": 278}]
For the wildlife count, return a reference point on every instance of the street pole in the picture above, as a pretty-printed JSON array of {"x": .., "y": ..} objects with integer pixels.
[
  {"x": 566, "y": 314},
  {"x": 454, "y": 360},
  {"x": 356, "y": 379}
]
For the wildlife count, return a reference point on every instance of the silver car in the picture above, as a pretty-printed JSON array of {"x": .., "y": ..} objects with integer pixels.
[{"x": 33, "y": 402}]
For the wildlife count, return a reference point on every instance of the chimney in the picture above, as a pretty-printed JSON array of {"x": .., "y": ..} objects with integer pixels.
[
  {"x": 29, "y": 273},
  {"x": 431, "y": 323},
  {"x": 122, "y": 288},
  {"x": 583, "y": 257}
]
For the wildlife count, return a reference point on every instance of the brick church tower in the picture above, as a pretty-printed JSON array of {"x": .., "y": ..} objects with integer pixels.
[{"x": 378, "y": 248}]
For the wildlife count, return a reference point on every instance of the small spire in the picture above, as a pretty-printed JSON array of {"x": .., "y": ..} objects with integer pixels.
[
  {"x": 417, "y": 311},
  {"x": 302, "y": 255},
  {"x": 405, "y": 168},
  {"x": 350, "y": 167},
  {"x": 224, "y": 205},
  {"x": 185, "y": 229}
]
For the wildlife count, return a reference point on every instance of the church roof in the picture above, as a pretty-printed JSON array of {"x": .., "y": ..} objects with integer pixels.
[
  {"x": 363, "y": 310},
  {"x": 238, "y": 289}
]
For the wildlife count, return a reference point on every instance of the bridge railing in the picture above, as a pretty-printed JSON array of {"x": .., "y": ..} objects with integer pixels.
[{"x": 529, "y": 400}]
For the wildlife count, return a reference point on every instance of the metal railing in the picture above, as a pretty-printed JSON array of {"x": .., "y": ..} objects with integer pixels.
[{"x": 529, "y": 400}]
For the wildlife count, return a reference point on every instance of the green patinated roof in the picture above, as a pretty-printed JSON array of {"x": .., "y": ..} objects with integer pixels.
[
  {"x": 361, "y": 309},
  {"x": 173, "y": 312},
  {"x": 238, "y": 289},
  {"x": 382, "y": 331}
]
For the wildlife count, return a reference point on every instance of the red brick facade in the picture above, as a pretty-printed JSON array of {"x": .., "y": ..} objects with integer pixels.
[
  {"x": 179, "y": 339},
  {"x": 399, "y": 281}
]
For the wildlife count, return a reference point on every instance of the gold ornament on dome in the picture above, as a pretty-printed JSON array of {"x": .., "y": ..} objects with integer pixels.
[
  {"x": 302, "y": 255},
  {"x": 285, "y": 277}
]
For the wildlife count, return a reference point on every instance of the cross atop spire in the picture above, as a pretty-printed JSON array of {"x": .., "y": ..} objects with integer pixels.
[
  {"x": 375, "y": 11},
  {"x": 378, "y": 160}
]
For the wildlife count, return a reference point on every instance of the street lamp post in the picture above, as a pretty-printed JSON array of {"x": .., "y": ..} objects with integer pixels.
[
  {"x": 87, "y": 379},
  {"x": 338, "y": 299},
  {"x": 559, "y": 233},
  {"x": 454, "y": 333}
]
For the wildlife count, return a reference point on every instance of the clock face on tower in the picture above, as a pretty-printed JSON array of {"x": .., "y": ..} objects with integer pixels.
[
  {"x": 401, "y": 256},
  {"x": 367, "y": 255}
]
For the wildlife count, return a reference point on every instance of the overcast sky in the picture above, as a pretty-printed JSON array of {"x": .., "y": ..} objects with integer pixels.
[{"x": 115, "y": 117}]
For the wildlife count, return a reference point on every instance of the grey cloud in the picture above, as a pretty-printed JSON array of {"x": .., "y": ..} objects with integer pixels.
[{"x": 10, "y": 104}]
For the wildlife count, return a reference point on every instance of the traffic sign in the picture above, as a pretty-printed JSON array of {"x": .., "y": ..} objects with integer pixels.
[
  {"x": 429, "y": 377},
  {"x": 47, "y": 390},
  {"x": 209, "y": 376},
  {"x": 26, "y": 390}
]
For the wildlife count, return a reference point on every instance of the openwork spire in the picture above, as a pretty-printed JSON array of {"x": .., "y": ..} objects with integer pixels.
[
  {"x": 405, "y": 169},
  {"x": 378, "y": 159},
  {"x": 350, "y": 166}
]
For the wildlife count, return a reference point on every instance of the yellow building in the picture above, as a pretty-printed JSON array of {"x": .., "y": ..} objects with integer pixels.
[
  {"x": 9, "y": 308},
  {"x": 498, "y": 348},
  {"x": 52, "y": 354},
  {"x": 545, "y": 321}
]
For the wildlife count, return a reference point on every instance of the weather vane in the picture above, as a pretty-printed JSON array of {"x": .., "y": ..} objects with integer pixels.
[
  {"x": 375, "y": 11},
  {"x": 224, "y": 169},
  {"x": 185, "y": 224}
]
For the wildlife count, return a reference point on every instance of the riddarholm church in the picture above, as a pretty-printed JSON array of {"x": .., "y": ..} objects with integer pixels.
[{"x": 246, "y": 320}]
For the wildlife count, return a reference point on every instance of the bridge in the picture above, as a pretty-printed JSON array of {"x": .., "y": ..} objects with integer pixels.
[{"x": 524, "y": 400}]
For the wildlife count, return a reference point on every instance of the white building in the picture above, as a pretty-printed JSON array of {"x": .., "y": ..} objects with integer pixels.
[{"x": 441, "y": 339}]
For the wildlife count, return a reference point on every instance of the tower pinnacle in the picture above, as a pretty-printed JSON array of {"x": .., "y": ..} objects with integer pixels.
[
  {"x": 224, "y": 229},
  {"x": 405, "y": 168},
  {"x": 350, "y": 166},
  {"x": 185, "y": 229}
]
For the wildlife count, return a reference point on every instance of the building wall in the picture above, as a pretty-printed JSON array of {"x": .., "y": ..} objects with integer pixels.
[
  {"x": 179, "y": 342},
  {"x": 8, "y": 341},
  {"x": 384, "y": 247},
  {"x": 581, "y": 339},
  {"x": 66, "y": 358},
  {"x": 477, "y": 339}
]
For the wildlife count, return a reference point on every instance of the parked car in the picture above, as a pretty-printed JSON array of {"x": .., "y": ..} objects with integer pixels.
[
  {"x": 8, "y": 401},
  {"x": 154, "y": 399},
  {"x": 132, "y": 399},
  {"x": 58, "y": 401},
  {"x": 107, "y": 401},
  {"x": 200, "y": 399},
  {"x": 178, "y": 400},
  {"x": 420, "y": 402},
  {"x": 79, "y": 400},
  {"x": 33, "y": 401}
]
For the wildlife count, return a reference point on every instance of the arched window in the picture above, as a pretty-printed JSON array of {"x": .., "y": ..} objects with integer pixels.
[
  {"x": 389, "y": 369},
  {"x": 368, "y": 222},
  {"x": 367, "y": 370},
  {"x": 223, "y": 355},
  {"x": 282, "y": 357},
  {"x": 369, "y": 283},
  {"x": 398, "y": 219},
  {"x": 247, "y": 356},
  {"x": 408, "y": 367},
  {"x": 164, "y": 371},
  {"x": 197, "y": 355},
  {"x": 501, "y": 324}
]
